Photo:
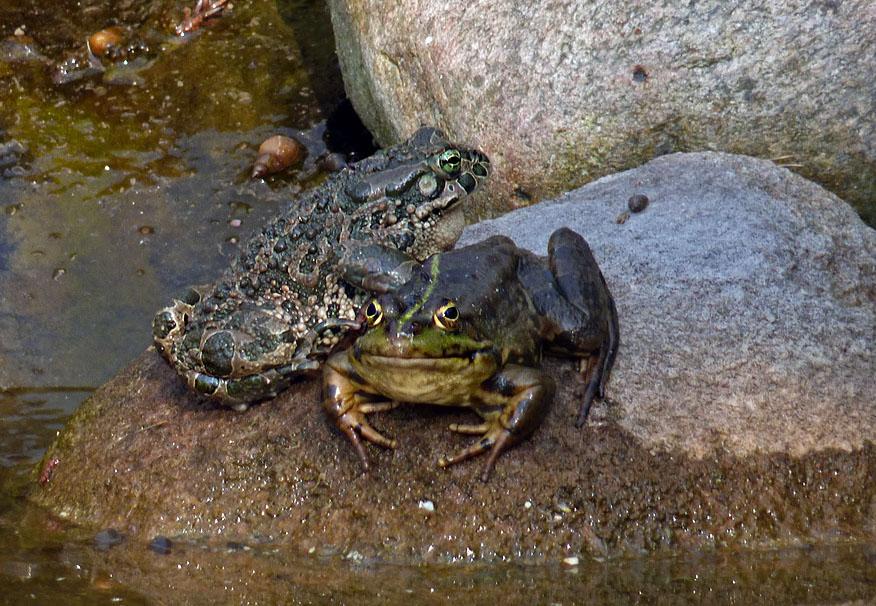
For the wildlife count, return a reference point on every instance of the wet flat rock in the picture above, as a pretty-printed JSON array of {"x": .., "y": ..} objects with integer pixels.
[{"x": 740, "y": 412}]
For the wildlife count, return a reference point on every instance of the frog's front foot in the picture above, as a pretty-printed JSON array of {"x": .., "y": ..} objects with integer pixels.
[{"x": 346, "y": 401}]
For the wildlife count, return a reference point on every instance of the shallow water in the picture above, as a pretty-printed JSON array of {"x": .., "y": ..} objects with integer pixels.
[{"x": 128, "y": 185}]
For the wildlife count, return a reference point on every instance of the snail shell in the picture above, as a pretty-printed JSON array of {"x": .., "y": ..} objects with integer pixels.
[
  {"x": 102, "y": 42},
  {"x": 275, "y": 154}
]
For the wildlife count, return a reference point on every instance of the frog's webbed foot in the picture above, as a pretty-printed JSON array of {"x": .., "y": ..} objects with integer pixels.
[
  {"x": 347, "y": 402},
  {"x": 515, "y": 402},
  {"x": 495, "y": 440}
]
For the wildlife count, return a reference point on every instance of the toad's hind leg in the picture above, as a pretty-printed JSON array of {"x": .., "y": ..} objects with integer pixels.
[
  {"x": 582, "y": 284},
  {"x": 170, "y": 323}
]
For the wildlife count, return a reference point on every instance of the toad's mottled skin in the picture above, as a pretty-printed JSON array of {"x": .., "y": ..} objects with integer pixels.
[
  {"x": 468, "y": 329},
  {"x": 295, "y": 288}
]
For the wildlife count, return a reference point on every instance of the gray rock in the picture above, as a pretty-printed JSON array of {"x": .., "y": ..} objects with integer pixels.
[
  {"x": 747, "y": 300},
  {"x": 561, "y": 93},
  {"x": 740, "y": 412}
]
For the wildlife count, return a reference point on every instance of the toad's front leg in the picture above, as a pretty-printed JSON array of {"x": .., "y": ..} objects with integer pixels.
[
  {"x": 513, "y": 403},
  {"x": 347, "y": 399}
]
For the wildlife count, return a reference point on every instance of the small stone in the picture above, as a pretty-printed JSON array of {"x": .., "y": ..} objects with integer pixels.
[
  {"x": 146, "y": 230},
  {"x": 160, "y": 545},
  {"x": 235, "y": 223},
  {"x": 637, "y": 203},
  {"x": 19, "y": 31},
  {"x": 105, "y": 539},
  {"x": 527, "y": 505},
  {"x": 571, "y": 561},
  {"x": 333, "y": 162},
  {"x": 426, "y": 505},
  {"x": 622, "y": 218}
]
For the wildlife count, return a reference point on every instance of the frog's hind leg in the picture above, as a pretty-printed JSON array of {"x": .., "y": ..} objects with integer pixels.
[
  {"x": 582, "y": 284},
  {"x": 613, "y": 343},
  {"x": 598, "y": 373}
]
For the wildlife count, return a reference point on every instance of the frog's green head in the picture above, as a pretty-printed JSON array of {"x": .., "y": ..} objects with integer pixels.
[
  {"x": 462, "y": 312},
  {"x": 412, "y": 199}
]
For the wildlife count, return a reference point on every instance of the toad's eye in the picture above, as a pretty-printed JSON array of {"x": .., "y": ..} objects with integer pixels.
[
  {"x": 374, "y": 313},
  {"x": 446, "y": 316},
  {"x": 449, "y": 161}
]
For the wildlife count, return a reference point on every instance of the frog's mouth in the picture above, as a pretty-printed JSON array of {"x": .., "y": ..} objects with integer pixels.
[
  {"x": 425, "y": 363},
  {"x": 447, "y": 362}
]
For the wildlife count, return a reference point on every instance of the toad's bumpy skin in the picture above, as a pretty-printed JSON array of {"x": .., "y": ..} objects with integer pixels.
[
  {"x": 295, "y": 288},
  {"x": 468, "y": 329}
]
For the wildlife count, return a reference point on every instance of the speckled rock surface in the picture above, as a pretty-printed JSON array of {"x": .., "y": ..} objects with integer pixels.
[
  {"x": 747, "y": 300},
  {"x": 740, "y": 412},
  {"x": 559, "y": 93}
]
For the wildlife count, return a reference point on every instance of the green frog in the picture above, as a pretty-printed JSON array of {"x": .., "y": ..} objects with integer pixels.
[
  {"x": 468, "y": 329},
  {"x": 292, "y": 294}
]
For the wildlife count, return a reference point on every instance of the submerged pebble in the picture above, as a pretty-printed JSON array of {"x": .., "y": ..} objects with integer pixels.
[
  {"x": 105, "y": 539},
  {"x": 160, "y": 545},
  {"x": 333, "y": 162}
]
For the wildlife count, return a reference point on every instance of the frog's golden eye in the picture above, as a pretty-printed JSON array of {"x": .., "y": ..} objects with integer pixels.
[
  {"x": 446, "y": 316},
  {"x": 450, "y": 161},
  {"x": 374, "y": 313}
]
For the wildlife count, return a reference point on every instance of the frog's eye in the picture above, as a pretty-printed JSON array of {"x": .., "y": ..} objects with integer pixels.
[
  {"x": 374, "y": 313},
  {"x": 446, "y": 316},
  {"x": 449, "y": 161}
]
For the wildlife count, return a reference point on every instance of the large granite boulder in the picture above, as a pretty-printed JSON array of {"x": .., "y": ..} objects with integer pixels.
[
  {"x": 559, "y": 93},
  {"x": 740, "y": 411}
]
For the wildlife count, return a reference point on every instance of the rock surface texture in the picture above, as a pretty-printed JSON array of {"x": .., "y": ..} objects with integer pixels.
[
  {"x": 740, "y": 411},
  {"x": 559, "y": 93}
]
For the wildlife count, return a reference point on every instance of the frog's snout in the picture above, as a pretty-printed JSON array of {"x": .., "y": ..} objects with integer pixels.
[{"x": 402, "y": 335}]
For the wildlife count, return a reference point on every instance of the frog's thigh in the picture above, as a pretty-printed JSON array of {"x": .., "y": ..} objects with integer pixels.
[{"x": 578, "y": 277}]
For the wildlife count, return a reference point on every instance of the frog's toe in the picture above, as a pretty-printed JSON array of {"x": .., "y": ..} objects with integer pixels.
[
  {"x": 377, "y": 407},
  {"x": 478, "y": 429},
  {"x": 354, "y": 424},
  {"x": 495, "y": 441},
  {"x": 375, "y": 437},
  {"x": 590, "y": 369}
]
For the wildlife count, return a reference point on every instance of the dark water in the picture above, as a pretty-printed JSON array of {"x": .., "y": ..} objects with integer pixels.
[{"x": 120, "y": 187}]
